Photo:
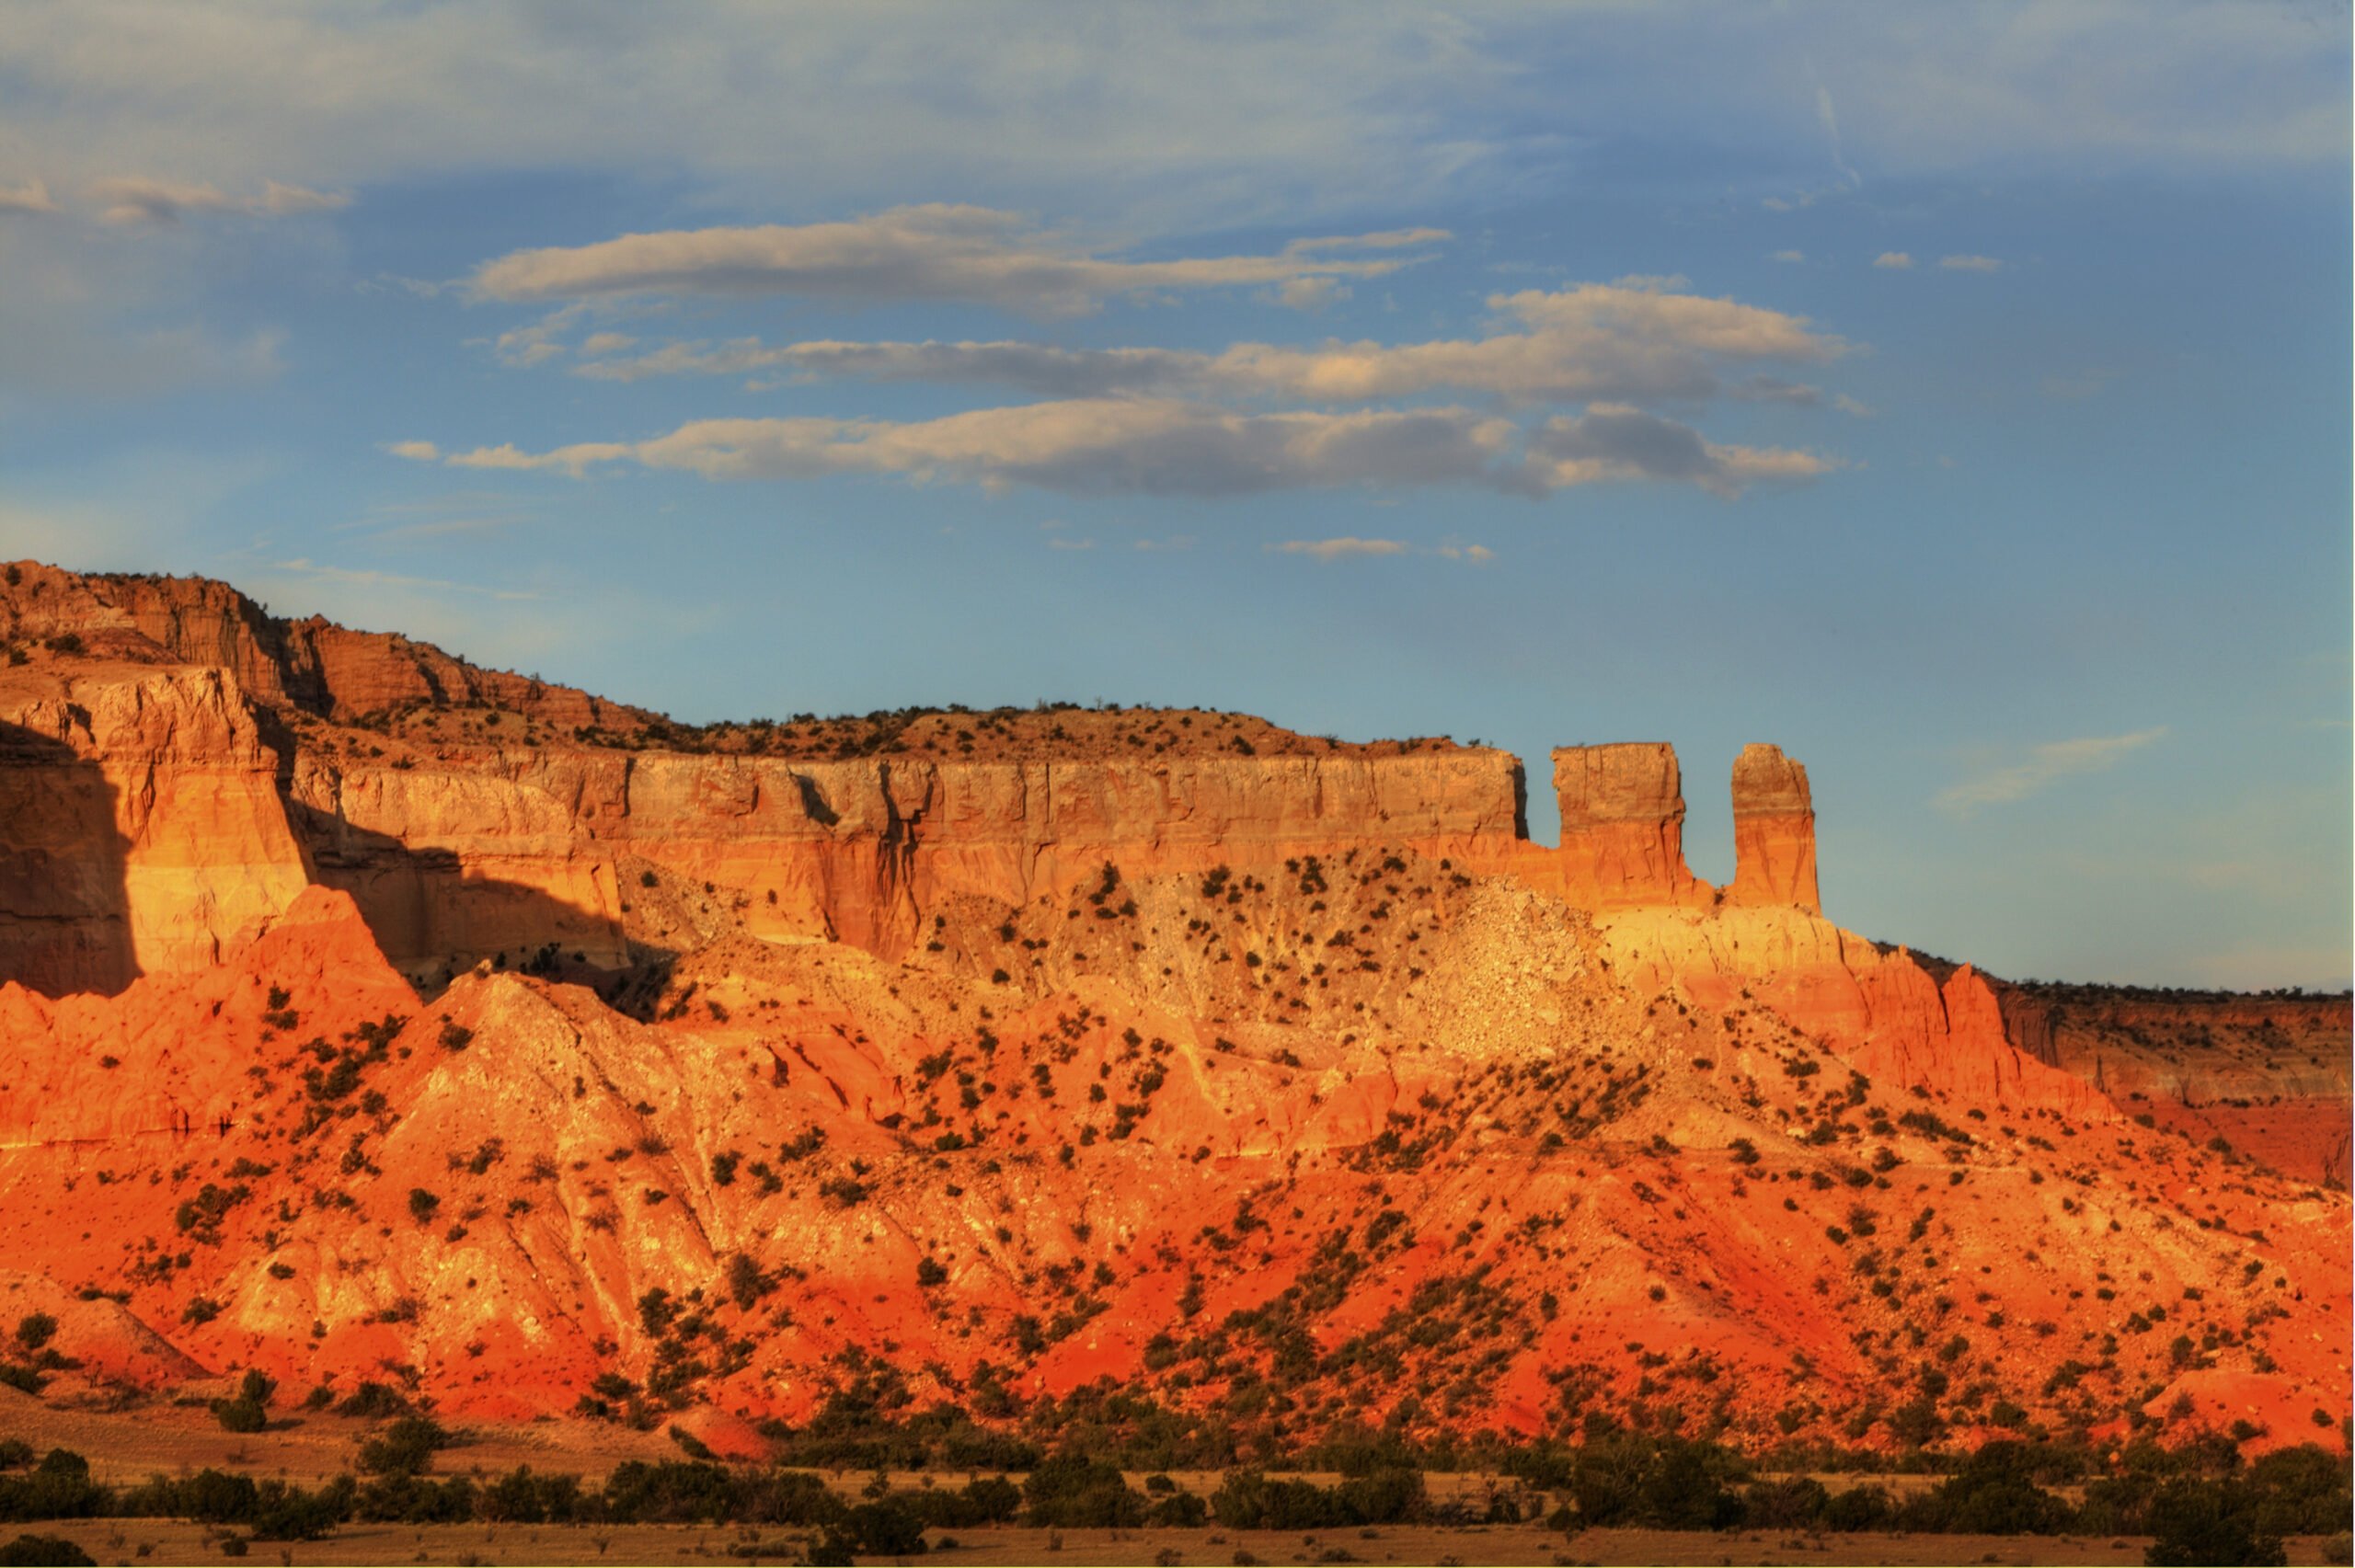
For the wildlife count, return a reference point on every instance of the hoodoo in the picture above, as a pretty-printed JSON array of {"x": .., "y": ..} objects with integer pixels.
[
  {"x": 1622, "y": 826},
  {"x": 1774, "y": 832}
]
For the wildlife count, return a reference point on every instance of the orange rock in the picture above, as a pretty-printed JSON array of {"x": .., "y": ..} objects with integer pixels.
[
  {"x": 1623, "y": 827},
  {"x": 1774, "y": 832}
]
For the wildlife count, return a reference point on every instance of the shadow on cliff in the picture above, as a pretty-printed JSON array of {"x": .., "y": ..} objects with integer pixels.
[
  {"x": 65, "y": 896},
  {"x": 433, "y": 921}
]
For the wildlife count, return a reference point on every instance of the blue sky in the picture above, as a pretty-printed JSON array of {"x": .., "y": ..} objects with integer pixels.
[{"x": 1956, "y": 395}]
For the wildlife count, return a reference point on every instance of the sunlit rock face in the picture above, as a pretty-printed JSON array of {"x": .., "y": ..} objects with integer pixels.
[{"x": 360, "y": 1007}]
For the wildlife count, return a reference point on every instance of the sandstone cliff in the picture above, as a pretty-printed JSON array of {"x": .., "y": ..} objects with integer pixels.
[{"x": 141, "y": 826}]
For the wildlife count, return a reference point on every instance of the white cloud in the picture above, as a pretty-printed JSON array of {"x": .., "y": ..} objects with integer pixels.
[
  {"x": 607, "y": 342},
  {"x": 2043, "y": 766},
  {"x": 1971, "y": 264},
  {"x": 1896, "y": 260},
  {"x": 1789, "y": 256},
  {"x": 416, "y": 452},
  {"x": 31, "y": 197},
  {"x": 1170, "y": 447},
  {"x": 937, "y": 251}
]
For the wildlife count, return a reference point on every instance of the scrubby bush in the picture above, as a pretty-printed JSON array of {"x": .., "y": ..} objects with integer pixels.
[
  {"x": 2203, "y": 1523},
  {"x": 1662, "y": 1483},
  {"x": 1074, "y": 1493}
]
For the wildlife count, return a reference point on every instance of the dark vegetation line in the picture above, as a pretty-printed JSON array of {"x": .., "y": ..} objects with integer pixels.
[{"x": 2200, "y": 1502}]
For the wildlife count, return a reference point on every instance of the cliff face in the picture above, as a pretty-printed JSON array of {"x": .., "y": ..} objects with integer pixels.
[
  {"x": 141, "y": 826},
  {"x": 859, "y": 851}
]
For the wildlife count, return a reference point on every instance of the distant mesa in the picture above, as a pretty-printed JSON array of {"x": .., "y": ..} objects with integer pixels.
[{"x": 363, "y": 1008}]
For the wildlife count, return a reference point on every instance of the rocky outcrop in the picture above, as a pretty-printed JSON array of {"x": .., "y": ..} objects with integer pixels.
[
  {"x": 1774, "y": 832},
  {"x": 312, "y": 666},
  {"x": 1623, "y": 827},
  {"x": 141, "y": 826}
]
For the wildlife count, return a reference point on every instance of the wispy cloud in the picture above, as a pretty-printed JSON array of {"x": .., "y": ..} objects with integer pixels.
[
  {"x": 1349, "y": 546},
  {"x": 1171, "y": 447},
  {"x": 1632, "y": 340},
  {"x": 31, "y": 197},
  {"x": 416, "y": 452},
  {"x": 140, "y": 199},
  {"x": 1895, "y": 260},
  {"x": 937, "y": 251},
  {"x": 1341, "y": 548},
  {"x": 2042, "y": 766},
  {"x": 1971, "y": 264},
  {"x": 302, "y": 566}
]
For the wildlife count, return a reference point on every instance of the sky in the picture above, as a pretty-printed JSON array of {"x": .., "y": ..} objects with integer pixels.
[{"x": 1954, "y": 394}]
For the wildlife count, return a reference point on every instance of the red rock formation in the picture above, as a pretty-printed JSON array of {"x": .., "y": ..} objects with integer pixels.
[
  {"x": 1774, "y": 832},
  {"x": 1623, "y": 827},
  {"x": 314, "y": 666},
  {"x": 140, "y": 825}
]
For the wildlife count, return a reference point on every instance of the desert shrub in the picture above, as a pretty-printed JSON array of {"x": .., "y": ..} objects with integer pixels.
[
  {"x": 414, "y": 1499},
  {"x": 1665, "y": 1483},
  {"x": 2198, "y": 1523},
  {"x": 1797, "y": 1503},
  {"x": 1250, "y": 1501},
  {"x": 29, "y": 1549},
  {"x": 1993, "y": 1493},
  {"x": 406, "y": 1448},
  {"x": 888, "y": 1526},
  {"x": 1074, "y": 1493},
  {"x": 1857, "y": 1508},
  {"x": 374, "y": 1401},
  {"x": 289, "y": 1513},
  {"x": 995, "y": 1501},
  {"x": 2301, "y": 1491},
  {"x": 58, "y": 1488},
  {"x": 240, "y": 1416}
]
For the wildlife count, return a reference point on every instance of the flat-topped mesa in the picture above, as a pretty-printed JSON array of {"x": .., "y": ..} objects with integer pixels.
[
  {"x": 1622, "y": 826},
  {"x": 1774, "y": 832}
]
